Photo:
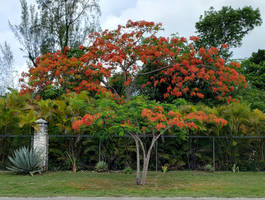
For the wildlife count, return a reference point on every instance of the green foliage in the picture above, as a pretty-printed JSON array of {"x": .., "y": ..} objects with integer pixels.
[
  {"x": 258, "y": 57},
  {"x": 118, "y": 152},
  {"x": 164, "y": 169},
  {"x": 74, "y": 53},
  {"x": 173, "y": 151},
  {"x": 255, "y": 97},
  {"x": 235, "y": 168},
  {"x": 51, "y": 92},
  {"x": 15, "y": 114},
  {"x": 128, "y": 170},
  {"x": 25, "y": 161},
  {"x": 257, "y": 122},
  {"x": 254, "y": 69},
  {"x": 90, "y": 151},
  {"x": 72, "y": 159},
  {"x": 18, "y": 113},
  {"x": 236, "y": 114},
  {"x": 226, "y": 26},
  {"x": 117, "y": 83},
  {"x": 209, "y": 168},
  {"x": 180, "y": 102},
  {"x": 101, "y": 166}
]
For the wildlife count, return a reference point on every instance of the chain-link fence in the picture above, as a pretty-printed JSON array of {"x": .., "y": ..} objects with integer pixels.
[{"x": 193, "y": 153}]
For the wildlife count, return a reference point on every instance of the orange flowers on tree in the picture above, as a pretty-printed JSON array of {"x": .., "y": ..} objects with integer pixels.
[
  {"x": 87, "y": 120},
  {"x": 171, "y": 67},
  {"x": 139, "y": 62},
  {"x": 140, "y": 118}
]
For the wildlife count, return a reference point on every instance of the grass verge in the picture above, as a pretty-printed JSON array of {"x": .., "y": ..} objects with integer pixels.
[{"x": 179, "y": 183}]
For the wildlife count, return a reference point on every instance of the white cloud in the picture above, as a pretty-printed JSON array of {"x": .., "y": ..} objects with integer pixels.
[
  {"x": 10, "y": 11},
  {"x": 180, "y": 16},
  {"x": 177, "y": 16}
]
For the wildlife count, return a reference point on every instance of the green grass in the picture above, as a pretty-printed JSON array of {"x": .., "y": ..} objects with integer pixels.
[{"x": 180, "y": 183}]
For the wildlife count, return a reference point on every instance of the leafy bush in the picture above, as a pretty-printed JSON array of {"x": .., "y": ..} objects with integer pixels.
[
  {"x": 209, "y": 168},
  {"x": 127, "y": 170},
  {"x": 251, "y": 165},
  {"x": 235, "y": 168},
  {"x": 164, "y": 169},
  {"x": 101, "y": 166},
  {"x": 72, "y": 160},
  {"x": 25, "y": 161}
]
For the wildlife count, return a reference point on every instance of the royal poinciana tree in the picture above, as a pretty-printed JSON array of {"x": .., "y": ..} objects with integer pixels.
[
  {"x": 140, "y": 118},
  {"x": 175, "y": 68}
]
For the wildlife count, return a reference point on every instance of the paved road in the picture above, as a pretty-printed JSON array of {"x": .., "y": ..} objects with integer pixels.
[{"x": 127, "y": 198}]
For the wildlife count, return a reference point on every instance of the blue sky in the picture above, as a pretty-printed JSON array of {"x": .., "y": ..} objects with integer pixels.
[{"x": 177, "y": 16}]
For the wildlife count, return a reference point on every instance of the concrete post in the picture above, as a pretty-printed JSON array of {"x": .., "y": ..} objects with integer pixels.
[{"x": 41, "y": 141}]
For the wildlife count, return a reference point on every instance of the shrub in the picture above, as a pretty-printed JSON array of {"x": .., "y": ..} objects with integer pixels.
[
  {"x": 209, "y": 168},
  {"x": 164, "y": 169},
  {"x": 25, "y": 161},
  {"x": 72, "y": 160},
  {"x": 101, "y": 166},
  {"x": 128, "y": 170},
  {"x": 235, "y": 168}
]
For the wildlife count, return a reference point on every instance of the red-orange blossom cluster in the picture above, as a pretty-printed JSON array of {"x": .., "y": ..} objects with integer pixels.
[
  {"x": 87, "y": 120},
  {"x": 164, "y": 120},
  {"x": 160, "y": 119},
  {"x": 176, "y": 65}
]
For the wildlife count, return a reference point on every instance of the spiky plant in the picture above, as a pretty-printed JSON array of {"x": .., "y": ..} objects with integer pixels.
[
  {"x": 25, "y": 161},
  {"x": 72, "y": 158},
  {"x": 101, "y": 166}
]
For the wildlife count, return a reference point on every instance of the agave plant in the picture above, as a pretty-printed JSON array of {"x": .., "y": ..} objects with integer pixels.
[
  {"x": 101, "y": 166},
  {"x": 25, "y": 161}
]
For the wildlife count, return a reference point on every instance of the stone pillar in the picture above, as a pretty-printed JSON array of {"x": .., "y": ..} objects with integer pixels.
[{"x": 41, "y": 141}]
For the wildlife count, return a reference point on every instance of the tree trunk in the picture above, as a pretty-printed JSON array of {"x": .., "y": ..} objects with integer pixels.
[
  {"x": 74, "y": 167},
  {"x": 146, "y": 160},
  {"x": 145, "y": 170},
  {"x": 138, "y": 180}
]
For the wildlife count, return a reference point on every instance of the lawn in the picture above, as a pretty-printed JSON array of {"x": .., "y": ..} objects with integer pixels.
[{"x": 180, "y": 183}]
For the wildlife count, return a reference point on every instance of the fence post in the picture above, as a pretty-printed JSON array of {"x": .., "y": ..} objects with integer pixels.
[
  {"x": 189, "y": 155},
  {"x": 41, "y": 141},
  {"x": 99, "y": 150},
  {"x": 156, "y": 154},
  {"x": 213, "y": 152}
]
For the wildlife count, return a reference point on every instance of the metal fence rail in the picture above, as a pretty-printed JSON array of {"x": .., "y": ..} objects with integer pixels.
[{"x": 206, "y": 145}]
